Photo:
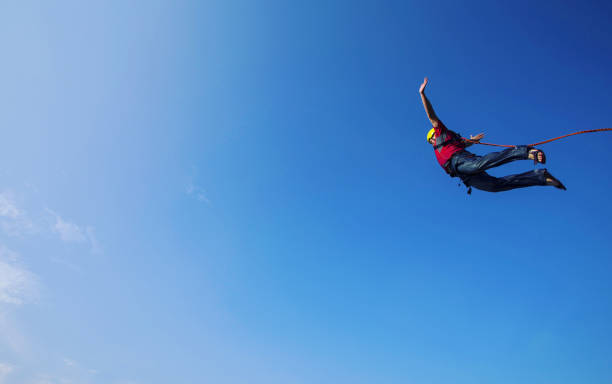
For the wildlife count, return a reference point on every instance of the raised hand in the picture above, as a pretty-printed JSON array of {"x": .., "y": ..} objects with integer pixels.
[{"x": 422, "y": 89}]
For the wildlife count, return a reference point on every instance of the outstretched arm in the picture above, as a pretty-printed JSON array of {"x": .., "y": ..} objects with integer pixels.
[
  {"x": 428, "y": 108},
  {"x": 474, "y": 139}
]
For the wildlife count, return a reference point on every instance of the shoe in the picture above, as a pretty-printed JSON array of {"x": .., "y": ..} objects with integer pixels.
[{"x": 554, "y": 181}]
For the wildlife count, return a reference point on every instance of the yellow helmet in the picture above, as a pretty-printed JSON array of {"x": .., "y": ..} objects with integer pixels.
[{"x": 430, "y": 134}]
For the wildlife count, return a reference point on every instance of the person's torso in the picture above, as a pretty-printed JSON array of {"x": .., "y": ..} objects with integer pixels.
[{"x": 447, "y": 144}]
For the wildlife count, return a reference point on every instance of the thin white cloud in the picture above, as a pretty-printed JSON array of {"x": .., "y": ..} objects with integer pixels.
[
  {"x": 70, "y": 232},
  {"x": 13, "y": 221},
  {"x": 198, "y": 193},
  {"x": 69, "y": 362},
  {"x": 17, "y": 284},
  {"x": 8, "y": 207},
  {"x": 67, "y": 231},
  {"x": 96, "y": 248}
]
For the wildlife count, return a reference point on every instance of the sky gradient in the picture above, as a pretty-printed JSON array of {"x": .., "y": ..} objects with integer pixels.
[{"x": 241, "y": 192}]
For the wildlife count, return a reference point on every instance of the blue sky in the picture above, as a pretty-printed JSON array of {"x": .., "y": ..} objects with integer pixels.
[{"x": 240, "y": 191}]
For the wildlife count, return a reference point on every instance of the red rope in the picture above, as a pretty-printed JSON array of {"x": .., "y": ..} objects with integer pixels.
[{"x": 542, "y": 142}]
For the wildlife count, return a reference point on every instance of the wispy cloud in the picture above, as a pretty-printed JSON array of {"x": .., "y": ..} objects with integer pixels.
[
  {"x": 67, "y": 231},
  {"x": 70, "y": 232},
  {"x": 8, "y": 207},
  {"x": 13, "y": 221},
  {"x": 69, "y": 362},
  {"x": 95, "y": 246},
  {"x": 17, "y": 284},
  {"x": 197, "y": 192},
  {"x": 19, "y": 287}
]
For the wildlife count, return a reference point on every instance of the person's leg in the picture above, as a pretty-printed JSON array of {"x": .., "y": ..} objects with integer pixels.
[
  {"x": 486, "y": 182},
  {"x": 469, "y": 164}
]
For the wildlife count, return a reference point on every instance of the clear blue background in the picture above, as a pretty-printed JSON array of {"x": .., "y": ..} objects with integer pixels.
[{"x": 266, "y": 207}]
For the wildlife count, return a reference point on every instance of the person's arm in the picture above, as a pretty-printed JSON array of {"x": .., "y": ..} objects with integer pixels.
[
  {"x": 428, "y": 108},
  {"x": 474, "y": 139}
]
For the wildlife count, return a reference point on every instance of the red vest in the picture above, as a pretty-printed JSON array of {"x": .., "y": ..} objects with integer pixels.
[{"x": 447, "y": 144}]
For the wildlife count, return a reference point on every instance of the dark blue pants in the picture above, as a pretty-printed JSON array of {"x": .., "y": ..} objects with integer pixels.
[{"x": 471, "y": 169}]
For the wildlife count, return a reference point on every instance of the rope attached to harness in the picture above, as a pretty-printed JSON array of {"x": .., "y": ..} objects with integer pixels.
[{"x": 541, "y": 142}]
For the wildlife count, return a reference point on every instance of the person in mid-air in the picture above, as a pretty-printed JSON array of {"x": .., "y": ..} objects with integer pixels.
[{"x": 449, "y": 148}]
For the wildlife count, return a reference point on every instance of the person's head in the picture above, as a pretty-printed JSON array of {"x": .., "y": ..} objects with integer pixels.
[{"x": 431, "y": 137}]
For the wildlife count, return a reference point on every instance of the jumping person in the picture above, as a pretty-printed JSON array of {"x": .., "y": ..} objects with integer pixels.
[{"x": 449, "y": 148}]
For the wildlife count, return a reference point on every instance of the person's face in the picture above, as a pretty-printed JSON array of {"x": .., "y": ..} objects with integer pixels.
[{"x": 432, "y": 141}]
